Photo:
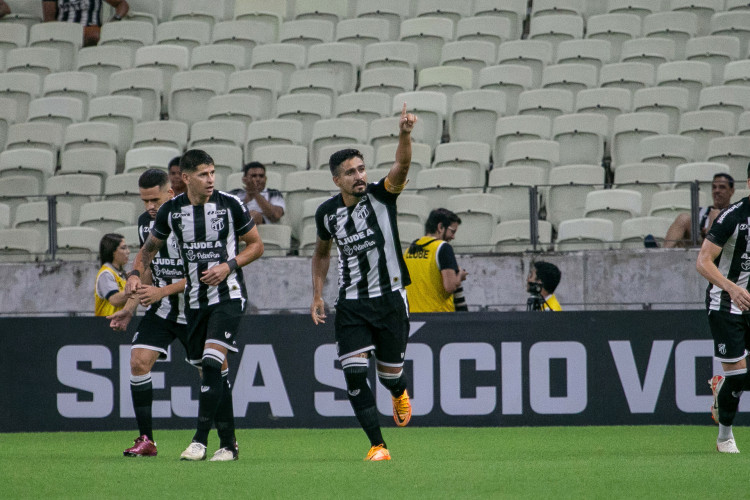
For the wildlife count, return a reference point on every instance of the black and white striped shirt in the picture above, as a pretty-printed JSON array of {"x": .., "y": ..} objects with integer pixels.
[
  {"x": 85, "y": 12},
  {"x": 166, "y": 269},
  {"x": 366, "y": 235},
  {"x": 207, "y": 235},
  {"x": 730, "y": 231}
]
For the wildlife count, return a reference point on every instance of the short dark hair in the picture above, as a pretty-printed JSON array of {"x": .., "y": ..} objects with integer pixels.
[
  {"x": 440, "y": 216},
  {"x": 107, "y": 246},
  {"x": 341, "y": 156},
  {"x": 548, "y": 274},
  {"x": 174, "y": 162},
  {"x": 153, "y": 177},
  {"x": 192, "y": 158},
  {"x": 253, "y": 164},
  {"x": 728, "y": 177}
]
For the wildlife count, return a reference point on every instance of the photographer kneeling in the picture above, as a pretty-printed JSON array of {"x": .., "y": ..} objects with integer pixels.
[{"x": 541, "y": 282}]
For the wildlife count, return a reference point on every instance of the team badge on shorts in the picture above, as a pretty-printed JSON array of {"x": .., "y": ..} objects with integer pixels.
[
  {"x": 217, "y": 224},
  {"x": 722, "y": 349}
]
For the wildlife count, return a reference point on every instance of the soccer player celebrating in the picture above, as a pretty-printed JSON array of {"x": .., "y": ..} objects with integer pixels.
[
  {"x": 723, "y": 261},
  {"x": 208, "y": 227},
  {"x": 164, "y": 320},
  {"x": 371, "y": 310}
]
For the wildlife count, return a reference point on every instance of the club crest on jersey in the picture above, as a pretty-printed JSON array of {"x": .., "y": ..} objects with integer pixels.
[
  {"x": 361, "y": 211},
  {"x": 217, "y": 224}
]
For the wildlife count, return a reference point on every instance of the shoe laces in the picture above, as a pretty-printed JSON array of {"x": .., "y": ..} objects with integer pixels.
[{"x": 402, "y": 403}]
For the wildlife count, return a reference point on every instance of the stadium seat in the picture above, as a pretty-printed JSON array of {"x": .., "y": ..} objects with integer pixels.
[
  {"x": 240, "y": 34},
  {"x": 384, "y": 131},
  {"x": 269, "y": 132},
  {"x": 484, "y": 29},
  {"x": 262, "y": 83},
  {"x": 412, "y": 207},
  {"x": 95, "y": 161},
  {"x": 60, "y": 110},
  {"x": 510, "y": 79},
  {"x": 282, "y": 158},
  {"x": 509, "y": 129},
  {"x": 390, "y": 55},
  {"x": 556, "y": 28},
  {"x": 479, "y": 215},
  {"x": 513, "y": 10},
  {"x": 430, "y": 107},
  {"x": 322, "y": 162},
  {"x": 445, "y": 9},
  {"x": 205, "y": 11},
  {"x": 511, "y": 236},
  {"x": 228, "y": 132},
  {"x": 630, "y": 76},
  {"x": 408, "y": 232},
  {"x": 737, "y": 73},
  {"x": 266, "y": 17},
  {"x": 131, "y": 236},
  {"x": 615, "y": 28},
  {"x": 534, "y": 152},
  {"x": 23, "y": 13},
  {"x": 581, "y": 137},
  {"x": 78, "y": 243},
  {"x": 702, "y": 126},
  {"x": 87, "y": 135},
  {"x": 734, "y": 98},
  {"x": 183, "y": 33},
  {"x": 39, "y": 61},
  {"x": 103, "y": 61},
  {"x": 512, "y": 185},
  {"x": 314, "y": 81},
  {"x": 306, "y": 32},
  {"x": 366, "y": 106},
  {"x": 15, "y": 189},
  {"x": 276, "y": 238},
  {"x": 572, "y": 77},
  {"x": 8, "y": 109},
  {"x": 243, "y": 109},
  {"x": 736, "y": 24},
  {"x": 546, "y": 102},
  {"x": 702, "y": 9},
  {"x": 336, "y": 131},
  {"x": 473, "y": 115},
  {"x": 20, "y": 245},
  {"x": 219, "y": 57},
  {"x": 743, "y": 124},
  {"x": 630, "y": 128},
  {"x": 670, "y": 203},
  {"x": 429, "y": 34},
  {"x": 341, "y": 59},
  {"x": 470, "y": 54},
  {"x": 170, "y": 133},
  {"x": 123, "y": 111},
  {"x": 691, "y": 75},
  {"x": 35, "y": 215},
  {"x": 282, "y": 57},
  {"x": 569, "y": 185},
  {"x": 301, "y": 186},
  {"x": 168, "y": 59},
  {"x": 4, "y": 216},
  {"x": 634, "y": 231},
  {"x": 472, "y": 156},
  {"x": 131, "y": 35},
  {"x": 38, "y": 164},
  {"x": 585, "y": 234},
  {"x": 616, "y": 205},
  {"x": 389, "y": 81},
  {"x": 106, "y": 216},
  {"x": 714, "y": 50},
  {"x": 703, "y": 172},
  {"x": 42, "y": 135},
  {"x": 739, "y": 194},
  {"x": 65, "y": 37},
  {"x": 138, "y": 160},
  {"x": 678, "y": 26},
  {"x": 609, "y": 102},
  {"x": 21, "y": 88},
  {"x": 421, "y": 157},
  {"x": 364, "y": 32},
  {"x": 439, "y": 184},
  {"x": 74, "y": 190},
  {"x": 645, "y": 178},
  {"x": 734, "y": 152},
  {"x": 124, "y": 187},
  {"x": 330, "y": 10},
  {"x": 557, "y": 7},
  {"x": 390, "y": 11},
  {"x": 305, "y": 108},
  {"x": 308, "y": 240},
  {"x": 227, "y": 160},
  {"x": 190, "y": 92},
  {"x": 670, "y": 150},
  {"x": 668, "y": 100},
  {"x": 536, "y": 54},
  {"x": 147, "y": 84},
  {"x": 653, "y": 51},
  {"x": 446, "y": 80},
  {"x": 595, "y": 53}
]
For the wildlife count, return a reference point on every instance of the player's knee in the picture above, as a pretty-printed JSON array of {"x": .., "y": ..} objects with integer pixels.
[
  {"x": 140, "y": 365},
  {"x": 212, "y": 360},
  {"x": 389, "y": 377}
]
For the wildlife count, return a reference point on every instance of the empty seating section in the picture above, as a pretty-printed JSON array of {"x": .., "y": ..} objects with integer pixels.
[{"x": 596, "y": 116}]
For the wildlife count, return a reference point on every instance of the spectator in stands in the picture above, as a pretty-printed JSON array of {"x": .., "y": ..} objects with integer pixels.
[
  {"x": 435, "y": 274},
  {"x": 544, "y": 277},
  {"x": 175, "y": 176},
  {"x": 266, "y": 206},
  {"x": 679, "y": 235},
  {"x": 85, "y": 12},
  {"x": 109, "y": 294},
  {"x": 4, "y": 9}
]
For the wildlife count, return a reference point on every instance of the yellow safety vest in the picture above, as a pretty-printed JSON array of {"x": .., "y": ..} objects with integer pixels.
[
  {"x": 426, "y": 292},
  {"x": 102, "y": 307},
  {"x": 551, "y": 304}
]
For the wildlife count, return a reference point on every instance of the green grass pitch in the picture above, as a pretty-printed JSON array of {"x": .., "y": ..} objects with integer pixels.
[{"x": 542, "y": 462}]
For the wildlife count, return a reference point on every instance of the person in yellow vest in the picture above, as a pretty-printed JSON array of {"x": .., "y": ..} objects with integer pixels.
[
  {"x": 547, "y": 276},
  {"x": 109, "y": 290},
  {"x": 435, "y": 274}
]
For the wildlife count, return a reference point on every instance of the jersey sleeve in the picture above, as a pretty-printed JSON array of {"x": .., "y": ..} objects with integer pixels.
[
  {"x": 106, "y": 285},
  {"x": 446, "y": 258},
  {"x": 320, "y": 216},
  {"x": 161, "y": 227},
  {"x": 724, "y": 225},
  {"x": 243, "y": 223},
  {"x": 380, "y": 193}
]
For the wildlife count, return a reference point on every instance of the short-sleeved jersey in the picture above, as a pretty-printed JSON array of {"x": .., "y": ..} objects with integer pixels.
[
  {"x": 108, "y": 282},
  {"x": 85, "y": 12},
  {"x": 366, "y": 236},
  {"x": 207, "y": 235},
  {"x": 426, "y": 292},
  {"x": 730, "y": 231},
  {"x": 166, "y": 269}
]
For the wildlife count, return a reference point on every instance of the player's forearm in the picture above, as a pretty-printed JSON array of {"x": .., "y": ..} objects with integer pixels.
[
  {"x": 269, "y": 210},
  {"x": 146, "y": 254},
  {"x": 320, "y": 266},
  {"x": 251, "y": 252},
  {"x": 706, "y": 267},
  {"x": 118, "y": 299},
  {"x": 402, "y": 162}
]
